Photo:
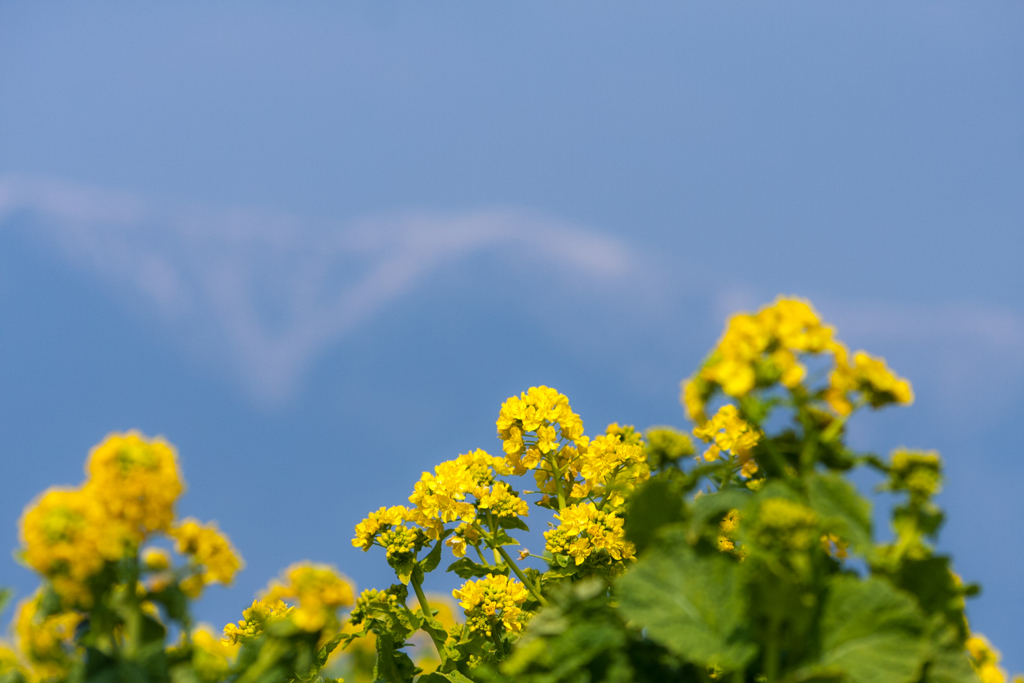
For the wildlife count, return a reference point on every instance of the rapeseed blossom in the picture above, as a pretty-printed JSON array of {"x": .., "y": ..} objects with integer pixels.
[
  {"x": 758, "y": 349},
  {"x": 137, "y": 480},
  {"x": 868, "y": 375},
  {"x": 376, "y": 522},
  {"x": 441, "y": 496},
  {"x": 985, "y": 659},
  {"x": 501, "y": 501},
  {"x": 255, "y": 619},
  {"x": 610, "y": 467},
  {"x": 318, "y": 589},
  {"x": 585, "y": 532},
  {"x": 47, "y": 642},
  {"x": 730, "y": 434},
  {"x": 68, "y": 537},
  {"x": 208, "y": 548},
  {"x": 492, "y": 600},
  {"x": 728, "y": 527},
  {"x": 548, "y": 415},
  {"x": 211, "y": 656}
]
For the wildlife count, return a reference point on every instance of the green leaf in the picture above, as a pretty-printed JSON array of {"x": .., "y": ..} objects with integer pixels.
[
  {"x": 948, "y": 661},
  {"x": 512, "y": 523},
  {"x": 711, "y": 506},
  {"x": 931, "y": 580},
  {"x": 450, "y": 677},
  {"x": 328, "y": 648},
  {"x": 657, "y": 504},
  {"x": 691, "y": 604},
  {"x": 499, "y": 537},
  {"x": 404, "y": 571},
  {"x": 433, "y": 558},
  {"x": 468, "y": 569},
  {"x": 843, "y": 511},
  {"x": 5, "y": 596},
  {"x": 872, "y": 631},
  {"x": 392, "y": 665}
]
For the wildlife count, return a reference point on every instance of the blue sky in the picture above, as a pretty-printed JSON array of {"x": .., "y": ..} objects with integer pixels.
[{"x": 317, "y": 245}]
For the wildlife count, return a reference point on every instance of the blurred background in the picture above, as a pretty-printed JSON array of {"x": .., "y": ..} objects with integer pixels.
[{"x": 316, "y": 245}]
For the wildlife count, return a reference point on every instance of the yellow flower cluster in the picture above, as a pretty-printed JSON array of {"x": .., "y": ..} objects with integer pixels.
[
  {"x": 729, "y": 525},
  {"x": 918, "y": 472},
  {"x": 67, "y": 537},
  {"x": 985, "y": 659},
  {"x": 441, "y": 496},
  {"x": 376, "y": 522},
  {"x": 69, "y": 534},
  {"x": 10, "y": 662},
  {"x": 502, "y": 502},
  {"x": 319, "y": 590},
  {"x": 211, "y": 656},
  {"x": 728, "y": 433},
  {"x": 868, "y": 375},
  {"x": 762, "y": 347},
  {"x": 493, "y": 600},
  {"x": 137, "y": 480},
  {"x": 46, "y": 641},
  {"x": 610, "y": 462},
  {"x": 787, "y": 524},
  {"x": 585, "y": 531},
  {"x": 543, "y": 412},
  {"x": 209, "y": 548},
  {"x": 255, "y": 619}
]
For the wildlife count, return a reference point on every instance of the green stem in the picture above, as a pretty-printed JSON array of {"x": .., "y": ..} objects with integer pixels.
[
  {"x": 522, "y": 577},
  {"x": 480, "y": 554},
  {"x": 417, "y": 585},
  {"x": 558, "y": 481}
]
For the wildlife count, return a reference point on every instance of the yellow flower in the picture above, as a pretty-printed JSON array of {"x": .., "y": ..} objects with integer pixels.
[
  {"x": 156, "y": 559},
  {"x": 442, "y": 495},
  {"x": 493, "y": 600},
  {"x": 546, "y": 413},
  {"x": 319, "y": 590},
  {"x": 758, "y": 350},
  {"x": 68, "y": 537},
  {"x": 209, "y": 548},
  {"x": 375, "y": 522},
  {"x": 137, "y": 481},
  {"x": 588, "y": 533},
  {"x": 10, "y": 662},
  {"x": 610, "y": 468},
  {"x": 869, "y": 376},
  {"x": 48, "y": 643},
  {"x": 255, "y": 619},
  {"x": 502, "y": 502},
  {"x": 465, "y": 535},
  {"x": 728, "y": 432},
  {"x": 985, "y": 659},
  {"x": 211, "y": 656}
]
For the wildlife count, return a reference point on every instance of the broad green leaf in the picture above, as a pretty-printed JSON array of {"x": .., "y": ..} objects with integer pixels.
[
  {"x": 713, "y": 505},
  {"x": 947, "y": 660},
  {"x": 872, "y": 631},
  {"x": 657, "y": 504},
  {"x": 512, "y": 523},
  {"x": 467, "y": 569},
  {"x": 433, "y": 558},
  {"x": 931, "y": 580},
  {"x": 843, "y": 511},
  {"x": 691, "y": 604}
]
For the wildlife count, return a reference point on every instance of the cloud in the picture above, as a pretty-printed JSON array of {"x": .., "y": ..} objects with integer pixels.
[
  {"x": 266, "y": 294},
  {"x": 270, "y": 292}
]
